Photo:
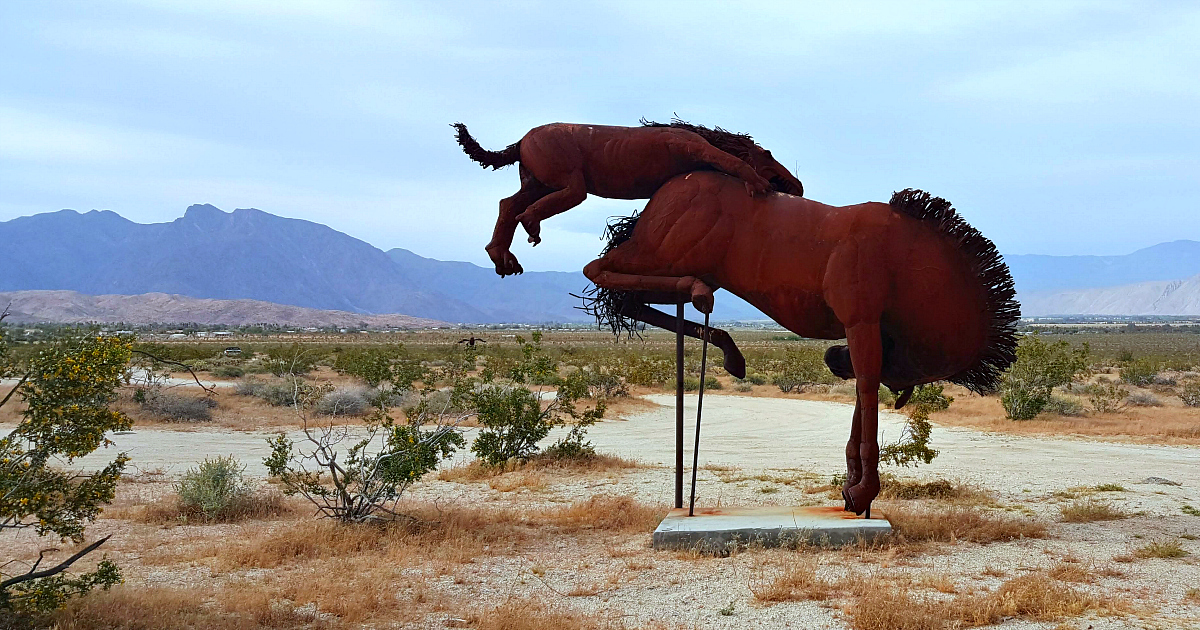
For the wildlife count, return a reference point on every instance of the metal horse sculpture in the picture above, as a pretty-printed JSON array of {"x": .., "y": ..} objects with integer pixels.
[
  {"x": 561, "y": 163},
  {"x": 918, "y": 294}
]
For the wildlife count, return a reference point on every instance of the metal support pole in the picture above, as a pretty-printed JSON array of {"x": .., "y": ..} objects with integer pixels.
[
  {"x": 699, "y": 408},
  {"x": 679, "y": 407}
]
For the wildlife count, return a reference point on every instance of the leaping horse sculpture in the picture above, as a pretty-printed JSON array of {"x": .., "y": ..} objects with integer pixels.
[
  {"x": 561, "y": 163},
  {"x": 919, "y": 295}
]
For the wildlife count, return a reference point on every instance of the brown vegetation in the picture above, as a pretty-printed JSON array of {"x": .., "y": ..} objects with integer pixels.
[
  {"x": 959, "y": 523},
  {"x": 1088, "y": 510}
]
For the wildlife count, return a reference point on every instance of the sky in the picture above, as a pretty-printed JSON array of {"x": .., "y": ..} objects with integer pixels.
[{"x": 1054, "y": 127}]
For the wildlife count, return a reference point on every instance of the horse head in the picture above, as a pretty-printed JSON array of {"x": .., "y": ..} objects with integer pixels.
[{"x": 771, "y": 170}]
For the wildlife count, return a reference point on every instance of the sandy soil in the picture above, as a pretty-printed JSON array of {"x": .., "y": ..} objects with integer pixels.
[{"x": 752, "y": 450}]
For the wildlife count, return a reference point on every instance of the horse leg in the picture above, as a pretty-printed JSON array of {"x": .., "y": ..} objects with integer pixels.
[
  {"x": 866, "y": 353},
  {"x": 506, "y": 224},
  {"x": 706, "y": 153},
  {"x": 696, "y": 289},
  {"x": 552, "y": 204},
  {"x": 734, "y": 363},
  {"x": 853, "y": 463}
]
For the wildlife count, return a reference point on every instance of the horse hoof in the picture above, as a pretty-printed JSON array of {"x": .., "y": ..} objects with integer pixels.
[{"x": 849, "y": 503}]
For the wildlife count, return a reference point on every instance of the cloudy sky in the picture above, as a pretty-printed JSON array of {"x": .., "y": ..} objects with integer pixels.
[{"x": 1055, "y": 127}]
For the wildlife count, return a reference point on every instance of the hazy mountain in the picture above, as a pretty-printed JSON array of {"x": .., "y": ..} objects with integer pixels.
[
  {"x": 1161, "y": 297},
  {"x": 159, "y": 308},
  {"x": 1035, "y": 273},
  {"x": 250, "y": 254}
]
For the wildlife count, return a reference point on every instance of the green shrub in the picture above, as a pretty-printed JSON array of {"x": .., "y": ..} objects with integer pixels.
[
  {"x": 346, "y": 401},
  {"x": 932, "y": 397},
  {"x": 913, "y": 445},
  {"x": 692, "y": 383},
  {"x": 1140, "y": 372},
  {"x": 800, "y": 367},
  {"x": 1026, "y": 386},
  {"x": 376, "y": 366},
  {"x": 67, "y": 387},
  {"x": 276, "y": 394},
  {"x": 648, "y": 372},
  {"x": 1064, "y": 406},
  {"x": 215, "y": 488},
  {"x": 229, "y": 371},
  {"x": 1106, "y": 395},
  {"x": 754, "y": 378}
]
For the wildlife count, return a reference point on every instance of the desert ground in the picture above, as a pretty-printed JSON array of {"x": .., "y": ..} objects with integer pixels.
[{"x": 1026, "y": 531}]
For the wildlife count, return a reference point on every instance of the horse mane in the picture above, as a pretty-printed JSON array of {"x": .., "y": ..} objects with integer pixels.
[
  {"x": 739, "y": 145},
  {"x": 1002, "y": 307},
  {"x": 606, "y": 304}
]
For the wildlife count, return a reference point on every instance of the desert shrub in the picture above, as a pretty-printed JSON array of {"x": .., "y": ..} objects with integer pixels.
[
  {"x": 1143, "y": 399},
  {"x": 1191, "y": 394},
  {"x": 606, "y": 385},
  {"x": 67, "y": 387},
  {"x": 1064, "y": 406},
  {"x": 647, "y": 372},
  {"x": 1140, "y": 372},
  {"x": 515, "y": 419},
  {"x": 229, "y": 371},
  {"x": 346, "y": 401},
  {"x": 172, "y": 407},
  {"x": 913, "y": 445},
  {"x": 379, "y": 365},
  {"x": 1026, "y": 386},
  {"x": 276, "y": 394},
  {"x": 362, "y": 480},
  {"x": 800, "y": 367},
  {"x": 886, "y": 397},
  {"x": 214, "y": 488},
  {"x": 692, "y": 383},
  {"x": 293, "y": 360},
  {"x": 1106, "y": 395},
  {"x": 743, "y": 386}
]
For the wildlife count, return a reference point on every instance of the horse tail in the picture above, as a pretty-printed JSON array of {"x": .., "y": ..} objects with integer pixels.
[{"x": 494, "y": 159}]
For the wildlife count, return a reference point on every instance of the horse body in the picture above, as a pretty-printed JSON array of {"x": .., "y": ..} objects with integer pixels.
[
  {"x": 561, "y": 163},
  {"x": 918, "y": 294}
]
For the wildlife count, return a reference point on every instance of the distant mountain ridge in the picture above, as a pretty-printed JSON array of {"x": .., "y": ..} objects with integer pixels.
[
  {"x": 249, "y": 254},
  {"x": 1037, "y": 273},
  {"x": 69, "y": 307}
]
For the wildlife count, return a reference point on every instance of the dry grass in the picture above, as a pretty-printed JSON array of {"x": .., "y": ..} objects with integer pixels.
[
  {"x": 1164, "y": 425},
  {"x": 608, "y": 513},
  {"x": 796, "y": 582},
  {"x": 478, "y": 471},
  {"x": 167, "y": 510},
  {"x": 1161, "y": 549},
  {"x": 1192, "y": 595},
  {"x": 955, "y": 492},
  {"x": 1038, "y": 597},
  {"x": 532, "y": 480},
  {"x": 536, "y": 614},
  {"x": 1089, "y": 510},
  {"x": 126, "y": 608},
  {"x": 955, "y": 523}
]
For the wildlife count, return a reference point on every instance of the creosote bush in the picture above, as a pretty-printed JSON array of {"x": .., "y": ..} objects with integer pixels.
[
  {"x": 67, "y": 388},
  {"x": 800, "y": 367},
  {"x": 1140, "y": 372},
  {"x": 1026, "y": 386},
  {"x": 1191, "y": 394},
  {"x": 215, "y": 488},
  {"x": 913, "y": 445},
  {"x": 515, "y": 419},
  {"x": 173, "y": 407}
]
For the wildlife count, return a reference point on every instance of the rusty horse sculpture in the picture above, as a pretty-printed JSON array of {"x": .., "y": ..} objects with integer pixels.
[
  {"x": 918, "y": 294},
  {"x": 561, "y": 163}
]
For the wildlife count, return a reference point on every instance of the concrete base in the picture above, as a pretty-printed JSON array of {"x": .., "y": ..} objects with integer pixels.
[{"x": 717, "y": 529}]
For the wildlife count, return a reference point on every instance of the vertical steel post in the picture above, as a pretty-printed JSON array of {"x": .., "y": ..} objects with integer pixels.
[{"x": 679, "y": 407}]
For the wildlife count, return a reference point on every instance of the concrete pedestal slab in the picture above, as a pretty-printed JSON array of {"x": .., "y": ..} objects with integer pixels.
[{"x": 719, "y": 528}]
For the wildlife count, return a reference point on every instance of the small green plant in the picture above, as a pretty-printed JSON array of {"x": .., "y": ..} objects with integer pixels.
[
  {"x": 800, "y": 367},
  {"x": 1189, "y": 510},
  {"x": 1107, "y": 396},
  {"x": 1028, "y": 383},
  {"x": 1161, "y": 549},
  {"x": 214, "y": 488},
  {"x": 360, "y": 477},
  {"x": 728, "y": 610},
  {"x": 1110, "y": 487},
  {"x": 913, "y": 445},
  {"x": 1140, "y": 372},
  {"x": 515, "y": 419}
]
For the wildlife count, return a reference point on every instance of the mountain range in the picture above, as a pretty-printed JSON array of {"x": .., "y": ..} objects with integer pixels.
[{"x": 249, "y": 254}]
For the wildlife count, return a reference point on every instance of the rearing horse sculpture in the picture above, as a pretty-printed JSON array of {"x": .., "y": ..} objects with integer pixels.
[
  {"x": 561, "y": 163},
  {"x": 918, "y": 294}
]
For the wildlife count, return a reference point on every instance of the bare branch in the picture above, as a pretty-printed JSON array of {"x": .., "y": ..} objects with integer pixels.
[
  {"x": 55, "y": 570},
  {"x": 209, "y": 390}
]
